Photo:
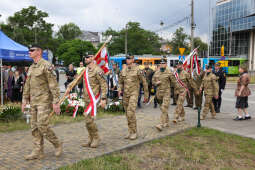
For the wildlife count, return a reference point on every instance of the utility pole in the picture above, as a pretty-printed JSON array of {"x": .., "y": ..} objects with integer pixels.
[
  {"x": 126, "y": 39},
  {"x": 192, "y": 25}
]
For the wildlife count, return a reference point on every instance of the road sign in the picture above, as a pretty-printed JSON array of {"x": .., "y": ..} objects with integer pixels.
[
  {"x": 181, "y": 50},
  {"x": 182, "y": 58}
]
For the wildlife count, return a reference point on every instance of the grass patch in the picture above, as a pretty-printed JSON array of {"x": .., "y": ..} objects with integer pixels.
[
  {"x": 22, "y": 125},
  {"x": 193, "y": 149}
]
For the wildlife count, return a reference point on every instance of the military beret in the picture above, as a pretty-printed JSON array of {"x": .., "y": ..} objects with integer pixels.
[
  {"x": 36, "y": 46},
  {"x": 179, "y": 63},
  {"x": 130, "y": 56},
  {"x": 217, "y": 64},
  {"x": 163, "y": 61}
]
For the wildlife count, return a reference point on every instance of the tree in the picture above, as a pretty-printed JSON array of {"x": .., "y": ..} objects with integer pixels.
[
  {"x": 139, "y": 40},
  {"x": 179, "y": 40},
  {"x": 203, "y": 47},
  {"x": 69, "y": 31},
  {"x": 72, "y": 51},
  {"x": 28, "y": 26}
]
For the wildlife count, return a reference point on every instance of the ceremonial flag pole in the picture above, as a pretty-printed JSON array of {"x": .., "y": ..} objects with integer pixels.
[{"x": 76, "y": 80}]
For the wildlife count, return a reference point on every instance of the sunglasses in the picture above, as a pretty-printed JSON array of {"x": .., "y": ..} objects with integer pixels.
[
  {"x": 128, "y": 58},
  {"x": 32, "y": 50}
]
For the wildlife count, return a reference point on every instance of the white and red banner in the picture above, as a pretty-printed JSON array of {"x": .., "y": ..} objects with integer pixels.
[
  {"x": 191, "y": 62},
  {"x": 92, "y": 107},
  {"x": 180, "y": 82},
  {"x": 102, "y": 60}
]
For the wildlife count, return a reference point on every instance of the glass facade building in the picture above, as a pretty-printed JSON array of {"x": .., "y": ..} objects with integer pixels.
[{"x": 232, "y": 23}]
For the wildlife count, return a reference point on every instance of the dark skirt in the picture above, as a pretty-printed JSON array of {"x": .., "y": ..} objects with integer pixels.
[{"x": 242, "y": 102}]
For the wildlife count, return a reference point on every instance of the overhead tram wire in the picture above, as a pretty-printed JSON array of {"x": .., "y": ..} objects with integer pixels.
[{"x": 187, "y": 18}]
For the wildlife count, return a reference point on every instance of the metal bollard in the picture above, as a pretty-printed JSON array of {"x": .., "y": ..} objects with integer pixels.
[{"x": 198, "y": 118}]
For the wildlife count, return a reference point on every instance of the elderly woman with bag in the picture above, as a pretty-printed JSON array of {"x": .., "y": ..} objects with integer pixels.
[{"x": 242, "y": 92}]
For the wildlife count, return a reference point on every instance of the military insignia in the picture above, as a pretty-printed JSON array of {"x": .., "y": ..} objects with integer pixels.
[{"x": 101, "y": 74}]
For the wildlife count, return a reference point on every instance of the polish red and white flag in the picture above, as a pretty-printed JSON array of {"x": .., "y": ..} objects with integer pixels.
[
  {"x": 102, "y": 60},
  {"x": 191, "y": 62}
]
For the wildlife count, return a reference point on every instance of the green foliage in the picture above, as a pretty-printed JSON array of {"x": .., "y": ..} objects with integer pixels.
[
  {"x": 69, "y": 31},
  {"x": 73, "y": 50},
  {"x": 203, "y": 47},
  {"x": 10, "y": 113},
  {"x": 115, "y": 108},
  {"x": 139, "y": 40},
  {"x": 29, "y": 26},
  {"x": 179, "y": 40}
]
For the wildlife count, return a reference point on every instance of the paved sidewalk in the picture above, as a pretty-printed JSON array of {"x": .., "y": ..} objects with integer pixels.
[{"x": 13, "y": 146}]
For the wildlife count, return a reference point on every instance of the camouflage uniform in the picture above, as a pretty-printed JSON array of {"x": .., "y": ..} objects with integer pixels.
[
  {"x": 148, "y": 73},
  {"x": 163, "y": 94},
  {"x": 98, "y": 85},
  {"x": 129, "y": 82},
  {"x": 181, "y": 92},
  {"x": 197, "y": 79},
  {"x": 41, "y": 90},
  {"x": 211, "y": 88}
]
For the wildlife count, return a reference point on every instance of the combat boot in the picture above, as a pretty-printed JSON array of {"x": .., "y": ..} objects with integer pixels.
[
  {"x": 181, "y": 119},
  {"x": 166, "y": 125},
  {"x": 128, "y": 136},
  {"x": 133, "y": 136},
  {"x": 88, "y": 143},
  {"x": 59, "y": 150},
  {"x": 175, "y": 120},
  {"x": 35, "y": 154},
  {"x": 159, "y": 127},
  {"x": 95, "y": 142}
]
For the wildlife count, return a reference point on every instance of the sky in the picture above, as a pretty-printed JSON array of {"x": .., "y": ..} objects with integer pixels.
[{"x": 98, "y": 15}]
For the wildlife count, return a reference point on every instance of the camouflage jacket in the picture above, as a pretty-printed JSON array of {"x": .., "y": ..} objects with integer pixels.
[
  {"x": 186, "y": 79},
  {"x": 41, "y": 86},
  {"x": 96, "y": 81},
  {"x": 129, "y": 81},
  {"x": 166, "y": 78},
  {"x": 148, "y": 73},
  {"x": 210, "y": 85}
]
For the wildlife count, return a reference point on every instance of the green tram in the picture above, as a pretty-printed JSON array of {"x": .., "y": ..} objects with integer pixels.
[{"x": 229, "y": 65}]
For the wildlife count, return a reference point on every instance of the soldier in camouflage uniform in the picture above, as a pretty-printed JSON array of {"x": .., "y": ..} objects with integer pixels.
[
  {"x": 173, "y": 93},
  {"x": 197, "y": 79},
  {"x": 98, "y": 85},
  {"x": 211, "y": 89},
  {"x": 148, "y": 73},
  {"x": 181, "y": 89},
  {"x": 162, "y": 79},
  {"x": 41, "y": 91},
  {"x": 129, "y": 82}
]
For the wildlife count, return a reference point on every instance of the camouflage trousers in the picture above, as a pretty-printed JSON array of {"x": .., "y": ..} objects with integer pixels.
[
  {"x": 40, "y": 126},
  {"x": 179, "y": 110},
  {"x": 91, "y": 125},
  {"x": 130, "y": 103},
  {"x": 164, "y": 102},
  {"x": 208, "y": 105},
  {"x": 190, "y": 97},
  {"x": 199, "y": 100}
]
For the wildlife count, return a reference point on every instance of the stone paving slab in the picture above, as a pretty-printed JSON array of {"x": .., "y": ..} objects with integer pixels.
[{"x": 15, "y": 145}]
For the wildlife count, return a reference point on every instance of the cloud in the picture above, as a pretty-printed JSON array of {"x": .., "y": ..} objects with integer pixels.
[{"x": 99, "y": 15}]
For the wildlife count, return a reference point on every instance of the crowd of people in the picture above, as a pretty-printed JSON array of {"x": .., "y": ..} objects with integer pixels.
[{"x": 14, "y": 79}]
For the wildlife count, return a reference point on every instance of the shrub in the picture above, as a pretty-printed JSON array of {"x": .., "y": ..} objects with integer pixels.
[{"x": 10, "y": 113}]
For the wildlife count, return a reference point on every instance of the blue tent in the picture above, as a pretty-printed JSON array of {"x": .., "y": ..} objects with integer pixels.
[{"x": 11, "y": 51}]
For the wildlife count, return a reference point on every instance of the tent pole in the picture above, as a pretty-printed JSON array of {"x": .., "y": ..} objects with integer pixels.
[{"x": 2, "y": 98}]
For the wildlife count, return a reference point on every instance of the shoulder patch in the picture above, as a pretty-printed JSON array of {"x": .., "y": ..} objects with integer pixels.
[{"x": 101, "y": 74}]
